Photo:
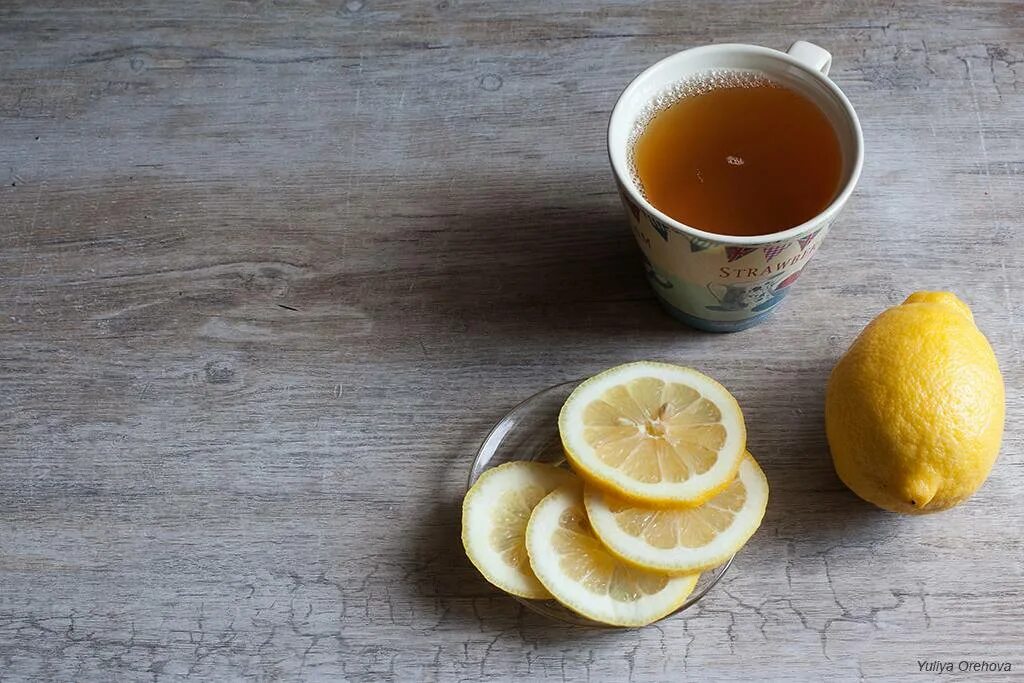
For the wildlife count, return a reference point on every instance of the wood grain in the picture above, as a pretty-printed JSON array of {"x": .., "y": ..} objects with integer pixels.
[{"x": 269, "y": 271}]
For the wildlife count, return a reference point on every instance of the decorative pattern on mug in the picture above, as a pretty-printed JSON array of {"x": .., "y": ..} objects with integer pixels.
[
  {"x": 697, "y": 244},
  {"x": 740, "y": 297},
  {"x": 807, "y": 239},
  {"x": 654, "y": 276},
  {"x": 634, "y": 210},
  {"x": 736, "y": 253},
  {"x": 660, "y": 227},
  {"x": 773, "y": 250}
]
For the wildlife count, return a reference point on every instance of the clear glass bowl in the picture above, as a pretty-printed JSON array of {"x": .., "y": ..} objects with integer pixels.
[{"x": 530, "y": 432}]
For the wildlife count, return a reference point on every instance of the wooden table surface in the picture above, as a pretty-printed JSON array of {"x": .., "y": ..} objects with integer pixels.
[{"x": 270, "y": 270}]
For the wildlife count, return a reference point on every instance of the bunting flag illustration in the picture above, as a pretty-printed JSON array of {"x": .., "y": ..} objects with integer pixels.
[
  {"x": 804, "y": 241},
  {"x": 734, "y": 253},
  {"x": 660, "y": 227},
  {"x": 773, "y": 250}
]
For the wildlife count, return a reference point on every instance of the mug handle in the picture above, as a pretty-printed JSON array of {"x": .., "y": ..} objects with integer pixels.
[{"x": 815, "y": 57}]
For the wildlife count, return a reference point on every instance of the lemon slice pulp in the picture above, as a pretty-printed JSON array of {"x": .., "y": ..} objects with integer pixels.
[
  {"x": 581, "y": 574},
  {"x": 682, "y": 540},
  {"x": 495, "y": 512},
  {"x": 655, "y": 433}
]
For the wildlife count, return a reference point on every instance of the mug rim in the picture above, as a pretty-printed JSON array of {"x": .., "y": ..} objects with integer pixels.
[{"x": 825, "y": 216}]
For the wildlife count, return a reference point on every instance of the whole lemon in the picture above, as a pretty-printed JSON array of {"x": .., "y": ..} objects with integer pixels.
[{"x": 914, "y": 409}]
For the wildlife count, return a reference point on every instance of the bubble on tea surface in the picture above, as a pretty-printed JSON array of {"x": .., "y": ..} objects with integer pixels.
[{"x": 697, "y": 84}]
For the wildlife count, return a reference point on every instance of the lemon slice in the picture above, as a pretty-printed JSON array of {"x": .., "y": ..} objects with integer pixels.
[
  {"x": 582, "y": 575},
  {"x": 656, "y": 433},
  {"x": 682, "y": 540},
  {"x": 494, "y": 516}
]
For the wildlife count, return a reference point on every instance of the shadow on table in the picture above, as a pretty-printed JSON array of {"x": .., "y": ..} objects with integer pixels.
[
  {"x": 451, "y": 588},
  {"x": 448, "y": 588},
  {"x": 808, "y": 506},
  {"x": 510, "y": 272},
  {"x": 809, "y": 514},
  {"x": 512, "y": 269},
  {"x": 564, "y": 274}
]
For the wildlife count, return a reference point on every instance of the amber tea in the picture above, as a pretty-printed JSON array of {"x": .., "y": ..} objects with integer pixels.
[{"x": 737, "y": 153}]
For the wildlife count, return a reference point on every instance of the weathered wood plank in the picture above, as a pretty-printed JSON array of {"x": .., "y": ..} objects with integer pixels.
[{"x": 268, "y": 272}]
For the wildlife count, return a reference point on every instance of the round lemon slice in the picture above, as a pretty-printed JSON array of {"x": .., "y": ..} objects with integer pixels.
[
  {"x": 582, "y": 575},
  {"x": 494, "y": 516},
  {"x": 655, "y": 433},
  {"x": 682, "y": 540}
]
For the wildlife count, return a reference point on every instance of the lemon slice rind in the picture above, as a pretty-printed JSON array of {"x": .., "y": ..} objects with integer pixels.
[
  {"x": 680, "y": 559},
  {"x": 600, "y": 607},
  {"x": 480, "y": 508},
  {"x": 694, "y": 490}
]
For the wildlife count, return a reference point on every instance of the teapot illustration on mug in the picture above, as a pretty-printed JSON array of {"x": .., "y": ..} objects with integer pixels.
[{"x": 755, "y": 297}]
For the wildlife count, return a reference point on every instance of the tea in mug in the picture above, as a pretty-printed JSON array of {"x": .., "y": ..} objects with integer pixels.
[{"x": 737, "y": 153}]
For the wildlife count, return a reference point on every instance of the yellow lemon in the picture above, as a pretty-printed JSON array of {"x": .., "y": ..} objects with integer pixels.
[{"x": 914, "y": 409}]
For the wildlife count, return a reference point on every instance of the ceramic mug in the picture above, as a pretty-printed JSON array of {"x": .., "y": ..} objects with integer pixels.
[{"x": 726, "y": 283}]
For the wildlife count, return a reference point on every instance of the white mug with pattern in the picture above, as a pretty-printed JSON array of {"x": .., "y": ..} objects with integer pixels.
[{"x": 726, "y": 283}]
